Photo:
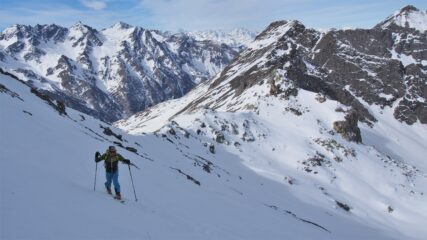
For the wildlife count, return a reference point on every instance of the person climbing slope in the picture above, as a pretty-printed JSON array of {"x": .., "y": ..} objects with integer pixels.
[{"x": 112, "y": 158}]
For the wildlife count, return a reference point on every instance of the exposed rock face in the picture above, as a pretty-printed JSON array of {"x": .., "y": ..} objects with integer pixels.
[
  {"x": 111, "y": 73},
  {"x": 274, "y": 89},
  {"x": 348, "y": 128},
  {"x": 372, "y": 64}
]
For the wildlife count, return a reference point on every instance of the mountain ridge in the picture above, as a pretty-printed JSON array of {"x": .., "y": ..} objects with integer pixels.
[
  {"x": 113, "y": 72},
  {"x": 378, "y": 65}
]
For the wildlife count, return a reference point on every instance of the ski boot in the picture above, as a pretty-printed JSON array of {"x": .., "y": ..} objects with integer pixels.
[
  {"x": 118, "y": 196},
  {"x": 109, "y": 190}
]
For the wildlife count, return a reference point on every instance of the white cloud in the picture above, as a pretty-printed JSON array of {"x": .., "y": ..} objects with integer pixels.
[{"x": 94, "y": 4}]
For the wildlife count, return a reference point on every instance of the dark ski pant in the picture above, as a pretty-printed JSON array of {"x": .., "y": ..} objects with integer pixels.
[{"x": 113, "y": 177}]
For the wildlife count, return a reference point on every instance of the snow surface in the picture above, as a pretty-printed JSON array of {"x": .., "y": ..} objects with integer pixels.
[
  {"x": 47, "y": 175},
  {"x": 387, "y": 170},
  {"x": 405, "y": 59}
]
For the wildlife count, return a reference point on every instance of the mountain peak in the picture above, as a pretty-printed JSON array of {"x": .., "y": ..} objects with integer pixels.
[
  {"x": 279, "y": 28},
  {"x": 18, "y": 30},
  {"x": 274, "y": 26},
  {"x": 82, "y": 27},
  {"x": 78, "y": 24},
  {"x": 409, "y": 8},
  {"x": 79, "y": 27},
  {"x": 121, "y": 25},
  {"x": 11, "y": 29},
  {"x": 407, "y": 17}
]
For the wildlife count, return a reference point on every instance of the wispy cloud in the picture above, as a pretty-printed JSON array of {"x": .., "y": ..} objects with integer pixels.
[{"x": 94, "y": 4}]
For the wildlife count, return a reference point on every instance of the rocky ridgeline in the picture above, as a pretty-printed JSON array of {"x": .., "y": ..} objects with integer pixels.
[{"x": 384, "y": 66}]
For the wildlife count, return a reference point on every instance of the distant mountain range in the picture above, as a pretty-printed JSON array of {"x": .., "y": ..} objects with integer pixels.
[
  {"x": 237, "y": 38},
  {"x": 117, "y": 71}
]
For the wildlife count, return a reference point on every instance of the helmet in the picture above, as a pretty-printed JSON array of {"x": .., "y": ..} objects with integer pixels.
[{"x": 111, "y": 148}]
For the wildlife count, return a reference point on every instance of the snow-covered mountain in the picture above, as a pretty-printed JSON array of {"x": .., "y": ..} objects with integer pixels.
[
  {"x": 237, "y": 38},
  {"x": 110, "y": 73},
  {"x": 337, "y": 118}
]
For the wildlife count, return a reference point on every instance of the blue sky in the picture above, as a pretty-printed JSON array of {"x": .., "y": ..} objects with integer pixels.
[{"x": 201, "y": 14}]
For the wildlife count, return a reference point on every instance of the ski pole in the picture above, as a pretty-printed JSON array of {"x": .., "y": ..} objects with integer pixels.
[
  {"x": 96, "y": 169},
  {"x": 136, "y": 199}
]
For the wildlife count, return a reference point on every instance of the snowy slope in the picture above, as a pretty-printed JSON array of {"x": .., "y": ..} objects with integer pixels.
[
  {"x": 185, "y": 190},
  {"x": 383, "y": 180},
  {"x": 278, "y": 107}
]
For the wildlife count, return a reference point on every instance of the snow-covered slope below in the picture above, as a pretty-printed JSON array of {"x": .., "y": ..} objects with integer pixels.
[
  {"x": 382, "y": 181},
  {"x": 185, "y": 190}
]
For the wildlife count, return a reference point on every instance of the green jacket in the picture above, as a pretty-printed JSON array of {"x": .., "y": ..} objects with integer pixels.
[{"x": 111, "y": 161}]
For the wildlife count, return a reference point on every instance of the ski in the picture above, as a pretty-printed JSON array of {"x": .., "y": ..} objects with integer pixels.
[
  {"x": 119, "y": 200},
  {"x": 115, "y": 198}
]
